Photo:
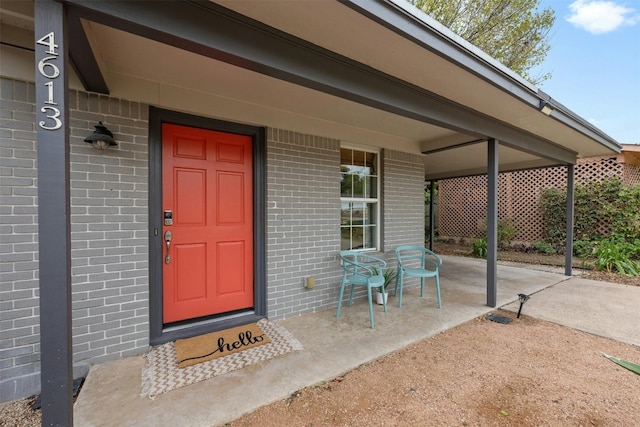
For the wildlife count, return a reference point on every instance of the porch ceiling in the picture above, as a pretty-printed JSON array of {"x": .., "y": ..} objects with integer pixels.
[{"x": 383, "y": 40}]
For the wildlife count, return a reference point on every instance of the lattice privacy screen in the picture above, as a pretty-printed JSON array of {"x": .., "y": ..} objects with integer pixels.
[{"x": 463, "y": 201}]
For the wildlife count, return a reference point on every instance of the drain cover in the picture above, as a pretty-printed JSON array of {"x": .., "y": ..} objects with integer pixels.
[{"x": 499, "y": 319}]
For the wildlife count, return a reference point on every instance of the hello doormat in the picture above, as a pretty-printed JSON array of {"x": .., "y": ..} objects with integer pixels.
[
  {"x": 162, "y": 374},
  {"x": 218, "y": 344}
]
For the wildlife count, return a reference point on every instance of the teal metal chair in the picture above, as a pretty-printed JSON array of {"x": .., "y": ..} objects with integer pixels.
[
  {"x": 417, "y": 261},
  {"x": 360, "y": 269}
]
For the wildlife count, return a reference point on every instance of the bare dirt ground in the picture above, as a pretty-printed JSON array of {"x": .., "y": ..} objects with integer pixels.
[{"x": 481, "y": 373}]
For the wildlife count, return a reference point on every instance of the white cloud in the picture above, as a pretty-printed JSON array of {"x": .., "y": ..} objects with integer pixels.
[{"x": 598, "y": 16}]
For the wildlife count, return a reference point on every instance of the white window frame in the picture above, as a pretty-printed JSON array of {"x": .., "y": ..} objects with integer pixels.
[{"x": 370, "y": 200}]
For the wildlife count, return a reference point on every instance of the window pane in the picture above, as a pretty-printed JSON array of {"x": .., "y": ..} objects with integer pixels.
[
  {"x": 346, "y": 183},
  {"x": 363, "y": 213},
  {"x": 358, "y": 213},
  {"x": 371, "y": 215},
  {"x": 371, "y": 160},
  {"x": 346, "y": 156},
  {"x": 345, "y": 214},
  {"x": 369, "y": 238},
  {"x": 358, "y": 180},
  {"x": 357, "y": 238},
  {"x": 371, "y": 187},
  {"x": 358, "y": 185},
  {"x": 345, "y": 238}
]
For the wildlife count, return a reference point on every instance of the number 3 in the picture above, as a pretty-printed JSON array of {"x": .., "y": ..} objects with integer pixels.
[{"x": 54, "y": 116}]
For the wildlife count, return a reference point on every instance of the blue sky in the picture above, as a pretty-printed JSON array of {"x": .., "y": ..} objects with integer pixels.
[{"x": 595, "y": 63}]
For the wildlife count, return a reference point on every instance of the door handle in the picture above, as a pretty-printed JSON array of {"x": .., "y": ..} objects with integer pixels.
[{"x": 167, "y": 241}]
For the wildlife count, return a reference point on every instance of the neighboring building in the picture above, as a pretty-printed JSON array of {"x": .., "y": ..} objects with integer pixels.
[
  {"x": 462, "y": 202},
  {"x": 265, "y": 136}
]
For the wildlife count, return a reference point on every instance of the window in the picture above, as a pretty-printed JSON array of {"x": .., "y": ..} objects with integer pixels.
[{"x": 358, "y": 199}]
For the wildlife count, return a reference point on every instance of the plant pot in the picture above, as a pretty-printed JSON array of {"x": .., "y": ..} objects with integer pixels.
[{"x": 380, "y": 295}]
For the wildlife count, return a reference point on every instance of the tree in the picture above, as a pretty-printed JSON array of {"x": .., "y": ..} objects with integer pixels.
[{"x": 512, "y": 31}]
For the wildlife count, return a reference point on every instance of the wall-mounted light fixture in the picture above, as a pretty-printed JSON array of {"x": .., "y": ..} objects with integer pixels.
[
  {"x": 545, "y": 107},
  {"x": 101, "y": 138}
]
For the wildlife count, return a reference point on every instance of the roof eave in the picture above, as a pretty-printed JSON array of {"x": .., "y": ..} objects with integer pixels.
[{"x": 411, "y": 23}]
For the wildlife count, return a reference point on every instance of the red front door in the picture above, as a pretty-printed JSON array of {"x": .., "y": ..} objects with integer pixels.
[{"x": 207, "y": 198}]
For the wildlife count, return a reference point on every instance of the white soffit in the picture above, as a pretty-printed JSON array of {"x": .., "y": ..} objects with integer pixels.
[
  {"x": 472, "y": 160},
  {"x": 242, "y": 95},
  {"x": 339, "y": 28}
]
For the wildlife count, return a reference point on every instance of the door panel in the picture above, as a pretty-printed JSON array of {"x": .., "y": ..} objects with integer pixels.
[
  {"x": 207, "y": 185},
  {"x": 230, "y": 199},
  {"x": 191, "y": 262},
  {"x": 191, "y": 196},
  {"x": 231, "y": 279}
]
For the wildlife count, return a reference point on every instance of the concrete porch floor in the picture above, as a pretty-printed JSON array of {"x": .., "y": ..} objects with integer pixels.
[{"x": 333, "y": 346}]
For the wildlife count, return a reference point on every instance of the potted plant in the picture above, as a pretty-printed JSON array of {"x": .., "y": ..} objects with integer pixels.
[{"x": 389, "y": 275}]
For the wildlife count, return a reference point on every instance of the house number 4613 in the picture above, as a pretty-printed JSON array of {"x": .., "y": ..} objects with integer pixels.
[{"x": 48, "y": 69}]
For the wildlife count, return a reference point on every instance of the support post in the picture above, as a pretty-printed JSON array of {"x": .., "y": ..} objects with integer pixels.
[
  {"x": 54, "y": 224},
  {"x": 492, "y": 222},
  {"x": 432, "y": 220},
  {"x": 568, "y": 251}
]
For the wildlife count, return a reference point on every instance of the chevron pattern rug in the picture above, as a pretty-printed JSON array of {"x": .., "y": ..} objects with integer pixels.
[{"x": 161, "y": 373}]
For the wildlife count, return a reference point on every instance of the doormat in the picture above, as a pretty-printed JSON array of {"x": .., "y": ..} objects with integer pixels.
[
  {"x": 162, "y": 374},
  {"x": 218, "y": 344}
]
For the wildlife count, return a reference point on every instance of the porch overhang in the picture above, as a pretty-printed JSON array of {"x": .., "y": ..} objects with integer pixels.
[{"x": 385, "y": 75}]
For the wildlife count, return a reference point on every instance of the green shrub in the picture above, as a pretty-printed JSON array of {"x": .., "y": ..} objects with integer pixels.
[
  {"x": 614, "y": 255},
  {"x": 479, "y": 247},
  {"x": 553, "y": 204},
  {"x": 582, "y": 248},
  {"x": 506, "y": 231},
  {"x": 602, "y": 209},
  {"x": 544, "y": 247}
]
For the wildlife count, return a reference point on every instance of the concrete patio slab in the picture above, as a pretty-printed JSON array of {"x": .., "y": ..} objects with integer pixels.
[
  {"x": 606, "y": 309},
  {"x": 333, "y": 346}
]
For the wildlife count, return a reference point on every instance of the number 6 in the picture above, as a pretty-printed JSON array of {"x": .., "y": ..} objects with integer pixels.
[{"x": 54, "y": 68}]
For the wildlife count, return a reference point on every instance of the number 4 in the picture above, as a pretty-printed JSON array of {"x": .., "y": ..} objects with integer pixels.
[{"x": 49, "y": 41}]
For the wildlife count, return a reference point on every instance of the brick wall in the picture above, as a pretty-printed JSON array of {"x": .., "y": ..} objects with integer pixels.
[
  {"x": 108, "y": 235},
  {"x": 303, "y": 222},
  {"x": 109, "y": 231},
  {"x": 19, "y": 323},
  {"x": 303, "y": 218},
  {"x": 403, "y": 189},
  {"x": 109, "y": 222}
]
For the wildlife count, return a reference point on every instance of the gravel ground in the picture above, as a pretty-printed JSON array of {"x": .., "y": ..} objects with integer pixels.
[{"x": 19, "y": 414}]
